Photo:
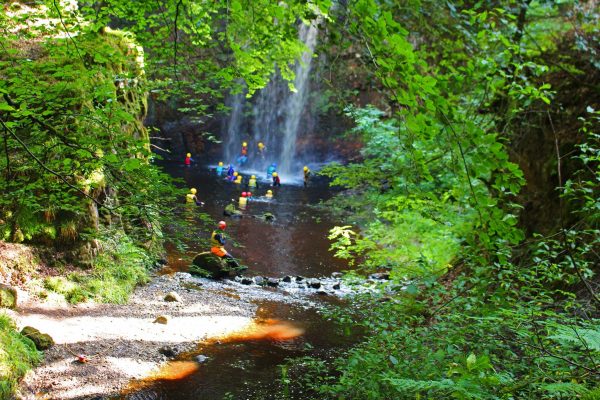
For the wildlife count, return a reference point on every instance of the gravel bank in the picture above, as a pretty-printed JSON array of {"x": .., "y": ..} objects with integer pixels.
[{"x": 121, "y": 342}]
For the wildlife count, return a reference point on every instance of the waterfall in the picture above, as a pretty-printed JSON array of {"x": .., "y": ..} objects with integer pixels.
[
  {"x": 276, "y": 117},
  {"x": 233, "y": 127}
]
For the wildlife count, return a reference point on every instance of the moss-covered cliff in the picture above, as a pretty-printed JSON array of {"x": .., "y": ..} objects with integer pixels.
[{"x": 72, "y": 109}]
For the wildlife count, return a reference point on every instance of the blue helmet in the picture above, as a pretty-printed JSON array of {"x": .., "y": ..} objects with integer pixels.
[{"x": 274, "y": 165}]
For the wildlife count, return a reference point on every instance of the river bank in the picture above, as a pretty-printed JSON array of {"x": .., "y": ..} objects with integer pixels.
[{"x": 122, "y": 342}]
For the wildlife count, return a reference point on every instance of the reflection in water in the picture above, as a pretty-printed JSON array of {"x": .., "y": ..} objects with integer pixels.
[
  {"x": 175, "y": 370},
  {"x": 270, "y": 329}
]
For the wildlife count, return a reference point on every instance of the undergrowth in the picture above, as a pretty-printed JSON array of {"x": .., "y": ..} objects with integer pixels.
[
  {"x": 115, "y": 273},
  {"x": 17, "y": 355}
]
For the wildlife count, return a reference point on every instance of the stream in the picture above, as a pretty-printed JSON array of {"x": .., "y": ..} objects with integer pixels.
[{"x": 247, "y": 366}]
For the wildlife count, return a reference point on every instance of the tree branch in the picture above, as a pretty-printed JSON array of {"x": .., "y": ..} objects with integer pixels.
[{"x": 59, "y": 176}]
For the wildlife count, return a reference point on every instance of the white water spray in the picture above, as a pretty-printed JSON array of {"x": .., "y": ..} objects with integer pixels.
[{"x": 277, "y": 116}]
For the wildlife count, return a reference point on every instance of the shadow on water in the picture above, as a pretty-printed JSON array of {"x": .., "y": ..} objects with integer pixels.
[{"x": 245, "y": 364}]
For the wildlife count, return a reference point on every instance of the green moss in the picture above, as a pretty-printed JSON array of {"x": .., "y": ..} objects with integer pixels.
[
  {"x": 115, "y": 274},
  {"x": 17, "y": 356}
]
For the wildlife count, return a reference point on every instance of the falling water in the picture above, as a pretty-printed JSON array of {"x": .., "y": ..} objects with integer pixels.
[
  {"x": 296, "y": 101},
  {"x": 233, "y": 128},
  {"x": 276, "y": 117}
]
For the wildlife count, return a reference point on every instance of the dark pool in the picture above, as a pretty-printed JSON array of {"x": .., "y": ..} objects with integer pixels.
[{"x": 294, "y": 244}]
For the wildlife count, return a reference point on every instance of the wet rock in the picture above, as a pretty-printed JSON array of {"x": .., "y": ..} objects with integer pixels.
[
  {"x": 41, "y": 340},
  {"x": 380, "y": 276},
  {"x": 172, "y": 296},
  {"x": 161, "y": 319},
  {"x": 8, "y": 297},
  {"x": 286, "y": 279},
  {"x": 272, "y": 282},
  {"x": 299, "y": 278},
  {"x": 314, "y": 284},
  {"x": 268, "y": 216},
  {"x": 246, "y": 281},
  {"x": 200, "y": 359},
  {"x": 260, "y": 281},
  {"x": 336, "y": 286},
  {"x": 208, "y": 265},
  {"x": 161, "y": 262},
  {"x": 229, "y": 210},
  {"x": 169, "y": 351},
  {"x": 322, "y": 292},
  {"x": 337, "y": 275}
]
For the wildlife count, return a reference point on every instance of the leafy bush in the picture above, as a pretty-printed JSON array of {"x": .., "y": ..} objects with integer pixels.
[
  {"x": 115, "y": 273},
  {"x": 17, "y": 355}
]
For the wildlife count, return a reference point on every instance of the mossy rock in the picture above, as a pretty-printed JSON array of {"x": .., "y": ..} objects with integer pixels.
[
  {"x": 210, "y": 266},
  {"x": 41, "y": 340},
  {"x": 8, "y": 297},
  {"x": 232, "y": 211}
]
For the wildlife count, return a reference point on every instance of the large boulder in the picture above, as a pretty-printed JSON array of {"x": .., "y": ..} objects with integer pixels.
[
  {"x": 210, "y": 266},
  {"x": 8, "y": 297},
  {"x": 41, "y": 340}
]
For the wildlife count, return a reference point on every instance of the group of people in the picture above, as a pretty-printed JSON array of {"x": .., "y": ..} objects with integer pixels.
[{"x": 218, "y": 235}]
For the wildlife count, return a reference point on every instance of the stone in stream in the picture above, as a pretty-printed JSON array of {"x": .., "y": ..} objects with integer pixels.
[
  {"x": 268, "y": 216},
  {"x": 272, "y": 282},
  {"x": 260, "y": 281},
  {"x": 380, "y": 276},
  {"x": 200, "y": 358},
  {"x": 41, "y": 340},
  {"x": 161, "y": 319},
  {"x": 322, "y": 292},
  {"x": 337, "y": 275},
  {"x": 286, "y": 279},
  {"x": 8, "y": 297},
  {"x": 168, "y": 351},
  {"x": 314, "y": 284},
  {"x": 336, "y": 286},
  {"x": 246, "y": 281},
  {"x": 172, "y": 296},
  {"x": 208, "y": 265},
  {"x": 299, "y": 278},
  {"x": 232, "y": 211}
]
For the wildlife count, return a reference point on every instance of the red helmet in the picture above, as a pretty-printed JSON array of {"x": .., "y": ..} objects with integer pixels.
[
  {"x": 249, "y": 194},
  {"x": 244, "y": 194},
  {"x": 222, "y": 225}
]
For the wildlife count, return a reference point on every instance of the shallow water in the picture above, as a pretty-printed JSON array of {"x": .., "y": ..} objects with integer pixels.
[
  {"x": 294, "y": 244},
  {"x": 246, "y": 364}
]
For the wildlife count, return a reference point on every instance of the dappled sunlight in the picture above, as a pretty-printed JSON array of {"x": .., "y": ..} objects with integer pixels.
[
  {"x": 179, "y": 329},
  {"x": 175, "y": 370},
  {"x": 269, "y": 329}
]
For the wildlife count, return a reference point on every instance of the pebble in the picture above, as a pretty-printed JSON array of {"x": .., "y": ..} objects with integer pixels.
[{"x": 172, "y": 296}]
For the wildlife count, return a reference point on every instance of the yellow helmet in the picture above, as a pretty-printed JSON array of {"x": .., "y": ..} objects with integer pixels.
[
  {"x": 220, "y": 163},
  {"x": 260, "y": 144},
  {"x": 305, "y": 168},
  {"x": 193, "y": 191},
  {"x": 244, "y": 144},
  {"x": 274, "y": 174},
  {"x": 269, "y": 191},
  {"x": 188, "y": 155},
  {"x": 253, "y": 177},
  {"x": 235, "y": 173}
]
